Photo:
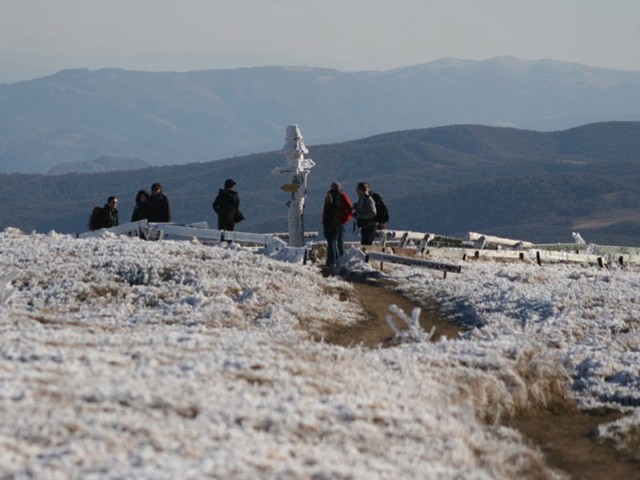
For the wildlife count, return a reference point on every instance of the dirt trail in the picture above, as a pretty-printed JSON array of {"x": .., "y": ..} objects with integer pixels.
[
  {"x": 376, "y": 331},
  {"x": 564, "y": 437}
]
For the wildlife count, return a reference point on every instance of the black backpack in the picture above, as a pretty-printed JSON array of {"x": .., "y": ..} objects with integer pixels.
[
  {"x": 95, "y": 220},
  {"x": 382, "y": 212}
]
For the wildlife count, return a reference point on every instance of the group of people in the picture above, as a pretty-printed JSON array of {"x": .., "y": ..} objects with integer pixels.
[
  {"x": 338, "y": 210},
  {"x": 152, "y": 206}
]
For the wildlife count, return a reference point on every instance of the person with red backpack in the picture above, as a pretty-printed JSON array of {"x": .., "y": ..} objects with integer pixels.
[{"x": 335, "y": 213}]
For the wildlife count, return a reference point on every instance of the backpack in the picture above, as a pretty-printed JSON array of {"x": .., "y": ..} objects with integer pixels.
[
  {"x": 95, "y": 220},
  {"x": 346, "y": 208},
  {"x": 382, "y": 212}
]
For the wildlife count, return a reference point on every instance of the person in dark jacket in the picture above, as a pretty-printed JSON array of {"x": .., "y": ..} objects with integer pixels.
[
  {"x": 158, "y": 209},
  {"x": 110, "y": 213},
  {"x": 365, "y": 214},
  {"x": 227, "y": 206},
  {"x": 331, "y": 225},
  {"x": 140, "y": 211}
]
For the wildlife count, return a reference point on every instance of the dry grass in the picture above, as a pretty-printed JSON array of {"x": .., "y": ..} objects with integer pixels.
[{"x": 530, "y": 383}]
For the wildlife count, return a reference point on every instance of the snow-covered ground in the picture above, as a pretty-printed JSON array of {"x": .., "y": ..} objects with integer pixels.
[{"x": 121, "y": 358}]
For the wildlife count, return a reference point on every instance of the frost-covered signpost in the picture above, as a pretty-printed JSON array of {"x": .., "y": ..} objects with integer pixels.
[{"x": 298, "y": 167}]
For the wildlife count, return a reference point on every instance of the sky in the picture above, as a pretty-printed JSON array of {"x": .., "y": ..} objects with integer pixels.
[
  {"x": 122, "y": 358},
  {"x": 343, "y": 34}
]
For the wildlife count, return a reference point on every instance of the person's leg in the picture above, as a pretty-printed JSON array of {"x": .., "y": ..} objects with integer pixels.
[
  {"x": 367, "y": 234},
  {"x": 225, "y": 224},
  {"x": 340, "y": 240},
  {"x": 332, "y": 251}
]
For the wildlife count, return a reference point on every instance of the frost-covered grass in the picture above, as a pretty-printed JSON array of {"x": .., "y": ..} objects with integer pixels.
[
  {"x": 584, "y": 318},
  {"x": 587, "y": 318},
  {"x": 121, "y": 358}
]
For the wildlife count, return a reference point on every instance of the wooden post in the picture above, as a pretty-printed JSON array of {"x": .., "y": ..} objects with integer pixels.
[
  {"x": 538, "y": 257},
  {"x": 405, "y": 239}
]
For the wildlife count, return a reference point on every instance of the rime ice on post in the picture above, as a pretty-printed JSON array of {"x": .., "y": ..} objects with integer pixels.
[{"x": 299, "y": 167}]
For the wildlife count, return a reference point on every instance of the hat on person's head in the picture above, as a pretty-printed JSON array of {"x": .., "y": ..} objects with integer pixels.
[
  {"x": 156, "y": 186},
  {"x": 229, "y": 183},
  {"x": 336, "y": 186}
]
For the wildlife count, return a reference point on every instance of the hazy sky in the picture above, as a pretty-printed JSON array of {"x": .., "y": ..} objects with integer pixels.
[{"x": 342, "y": 34}]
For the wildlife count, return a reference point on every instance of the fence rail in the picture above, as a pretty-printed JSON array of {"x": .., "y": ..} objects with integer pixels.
[
  {"x": 398, "y": 246},
  {"x": 487, "y": 247}
]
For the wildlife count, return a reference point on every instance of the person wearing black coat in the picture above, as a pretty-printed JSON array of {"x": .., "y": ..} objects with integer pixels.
[
  {"x": 158, "y": 209},
  {"x": 140, "y": 211},
  {"x": 331, "y": 225},
  {"x": 227, "y": 206},
  {"x": 110, "y": 213}
]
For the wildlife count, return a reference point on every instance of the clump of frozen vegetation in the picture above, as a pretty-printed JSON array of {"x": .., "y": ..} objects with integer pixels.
[
  {"x": 6, "y": 288},
  {"x": 121, "y": 358},
  {"x": 414, "y": 332}
]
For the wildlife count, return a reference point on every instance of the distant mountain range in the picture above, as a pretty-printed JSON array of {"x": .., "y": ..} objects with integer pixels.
[
  {"x": 536, "y": 186},
  {"x": 78, "y": 116},
  {"x": 102, "y": 164}
]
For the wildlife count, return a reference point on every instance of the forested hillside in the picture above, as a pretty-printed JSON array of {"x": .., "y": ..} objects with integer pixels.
[{"x": 538, "y": 186}]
